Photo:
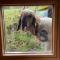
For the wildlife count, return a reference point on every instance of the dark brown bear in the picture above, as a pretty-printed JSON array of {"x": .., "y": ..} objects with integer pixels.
[{"x": 29, "y": 21}]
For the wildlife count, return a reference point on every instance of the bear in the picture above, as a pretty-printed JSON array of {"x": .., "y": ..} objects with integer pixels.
[{"x": 29, "y": 21}]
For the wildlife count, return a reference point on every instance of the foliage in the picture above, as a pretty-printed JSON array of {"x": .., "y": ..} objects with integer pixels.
[{"x": 22, "y": 41}]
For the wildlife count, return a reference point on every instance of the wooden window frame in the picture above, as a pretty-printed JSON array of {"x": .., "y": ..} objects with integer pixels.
[{"x": 34, "y": 2}]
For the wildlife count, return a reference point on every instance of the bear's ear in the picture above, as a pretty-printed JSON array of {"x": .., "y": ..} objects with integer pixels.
[{"x": 19, "y": 24}]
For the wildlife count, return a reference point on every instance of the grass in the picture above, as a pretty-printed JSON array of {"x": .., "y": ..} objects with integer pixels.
[{"x": 22, "y": 41}]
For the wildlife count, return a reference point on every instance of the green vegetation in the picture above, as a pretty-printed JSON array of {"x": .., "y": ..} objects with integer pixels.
[{"x": 22, "y": 41}]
